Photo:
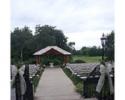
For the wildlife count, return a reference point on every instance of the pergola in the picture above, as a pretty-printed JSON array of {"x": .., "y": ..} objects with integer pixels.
[{"x": 52, "y": 50}]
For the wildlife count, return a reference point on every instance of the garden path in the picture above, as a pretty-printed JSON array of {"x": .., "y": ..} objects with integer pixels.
[{"x": 55, "y": 85}]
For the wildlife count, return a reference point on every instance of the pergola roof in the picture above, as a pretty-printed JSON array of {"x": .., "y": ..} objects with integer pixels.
[{"x": 48, "y": 48}]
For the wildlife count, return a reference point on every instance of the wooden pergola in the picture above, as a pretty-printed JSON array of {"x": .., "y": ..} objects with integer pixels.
[{"x": 52, "y": 50}]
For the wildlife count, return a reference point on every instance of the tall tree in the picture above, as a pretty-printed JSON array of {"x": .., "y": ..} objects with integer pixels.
[
  {"x": 19, "y": 43},
  {"x": 71, "y": 47},
  {"x": 48, "y": 35},
  {"x": 24, "y": 44},
  {"x": 90, "y": 51},
  {"x": 110, "y": 46}
]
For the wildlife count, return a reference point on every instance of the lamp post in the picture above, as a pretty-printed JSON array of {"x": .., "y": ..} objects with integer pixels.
[{"x": 103, "y": 42}]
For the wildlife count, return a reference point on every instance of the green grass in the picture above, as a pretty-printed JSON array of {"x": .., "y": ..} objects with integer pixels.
[
  {"x": 87, "y": 59},
  {"x": 76, "y": 80},
  {"x": 90, "y": 85},
  {"x": 36, "y": 78}
]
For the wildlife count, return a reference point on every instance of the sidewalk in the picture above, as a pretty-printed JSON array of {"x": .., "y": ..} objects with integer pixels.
[{"x": 55, "y": 85}]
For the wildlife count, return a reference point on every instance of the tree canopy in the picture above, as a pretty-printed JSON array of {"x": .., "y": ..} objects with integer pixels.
[
  {"x": 97, "y": 51},
  {"x": 20, "y": 39},
  {"x": 24, "y": 43},
  {"x": 110, "y": 46},
  {"x": 89, "y": 51}
]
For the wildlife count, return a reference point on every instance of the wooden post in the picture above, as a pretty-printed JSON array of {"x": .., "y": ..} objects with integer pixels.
[
  {"x": 37, "y": 59},
  {"x": 66, "y": 59},
  {"x": 40, "y": 59},
  {"x": 63, "y": 59}
]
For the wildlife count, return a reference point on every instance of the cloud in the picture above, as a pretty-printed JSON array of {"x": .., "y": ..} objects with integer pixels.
[
  {"x": 71, "y": 16},
  {"x": 87, "y": 38}
]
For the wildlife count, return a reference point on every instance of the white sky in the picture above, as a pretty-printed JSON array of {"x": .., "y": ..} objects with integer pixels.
[{"x": 82, "y": 21}]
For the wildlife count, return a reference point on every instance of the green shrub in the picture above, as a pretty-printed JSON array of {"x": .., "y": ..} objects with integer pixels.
[
  {"x": 79, "y": 87},
  {"x": 79, "y": 61},
  {"x": 52, "y": 59},
  {"x": 76, "y": 80},
  {"x": 36, "y": 79},
  {"x": 30, "y": 61},
  {"x": 56, "y": 61},
  {"x": 45, "y": 61}
]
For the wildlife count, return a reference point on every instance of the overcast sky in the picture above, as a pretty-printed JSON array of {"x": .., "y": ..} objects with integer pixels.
[{"x": 82, "y": 21}]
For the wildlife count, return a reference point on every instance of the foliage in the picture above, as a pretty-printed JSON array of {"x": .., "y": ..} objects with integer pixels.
[
  {"x": 24, "y": 43},
  {"x": 76, "y": 80},
  {"x": 89, "y": 51},
  {"x": 20, "y": 39},
  {"x": 79, "y": 61},
  {"x": 48, "y": 36},
  {"x": 97, "y": 51},
  {"x": 71, "y": 47},
  {"x": 110, "y": 46},
  {"x": 90, "y": 85},
  {"x": 36, "y": 78},
  {"x": 30, "y": 61},
  {"x": 79, "y": 87},
  {"x": 56, "y": 60},
  {"x": 87, "y": 59}
]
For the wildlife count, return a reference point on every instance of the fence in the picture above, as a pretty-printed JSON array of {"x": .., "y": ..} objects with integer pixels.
[
  {"x": 90, "y": 74},
  {"x": 90, "y": 87},
  {"x": 24, "y": 84}
]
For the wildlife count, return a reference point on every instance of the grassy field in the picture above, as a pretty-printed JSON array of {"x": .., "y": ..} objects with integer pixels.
[{"x": 87, "y": 59}]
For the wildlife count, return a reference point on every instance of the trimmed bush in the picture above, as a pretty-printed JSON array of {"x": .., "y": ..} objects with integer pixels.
[
  {"x": 79, "y": 87},
  {"x": 79, "y": 61},
  {"x": 56, "y": 60}
]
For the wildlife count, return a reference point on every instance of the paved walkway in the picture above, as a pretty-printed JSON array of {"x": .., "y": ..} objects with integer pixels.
[{"x": 55, "y": 85}]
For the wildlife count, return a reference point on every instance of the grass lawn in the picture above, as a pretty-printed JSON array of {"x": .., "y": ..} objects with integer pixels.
[
  {"x": 76, "y": 80},
  {"x": 87, "y": 59}
]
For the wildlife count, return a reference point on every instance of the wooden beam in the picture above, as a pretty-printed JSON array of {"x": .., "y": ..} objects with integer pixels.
[
  {"x": 37, "y": 59},
  {"x": 66, "y": 59}
]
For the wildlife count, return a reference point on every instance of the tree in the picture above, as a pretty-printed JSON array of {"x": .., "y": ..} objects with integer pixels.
[
  {"x": 110, "y": 46},
  {"x": 90, "y": 51},
  {"x": 71, "y": 47},
  {"x": 19, "y": 43},
  {"x": 24, "y": 44},
  {"x": 43, "y": 37},
  {"x": 48, "y": 35}
]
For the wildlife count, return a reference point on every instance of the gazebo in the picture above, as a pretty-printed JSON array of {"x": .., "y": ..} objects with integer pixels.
[{"x": 52, "y": 50}]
